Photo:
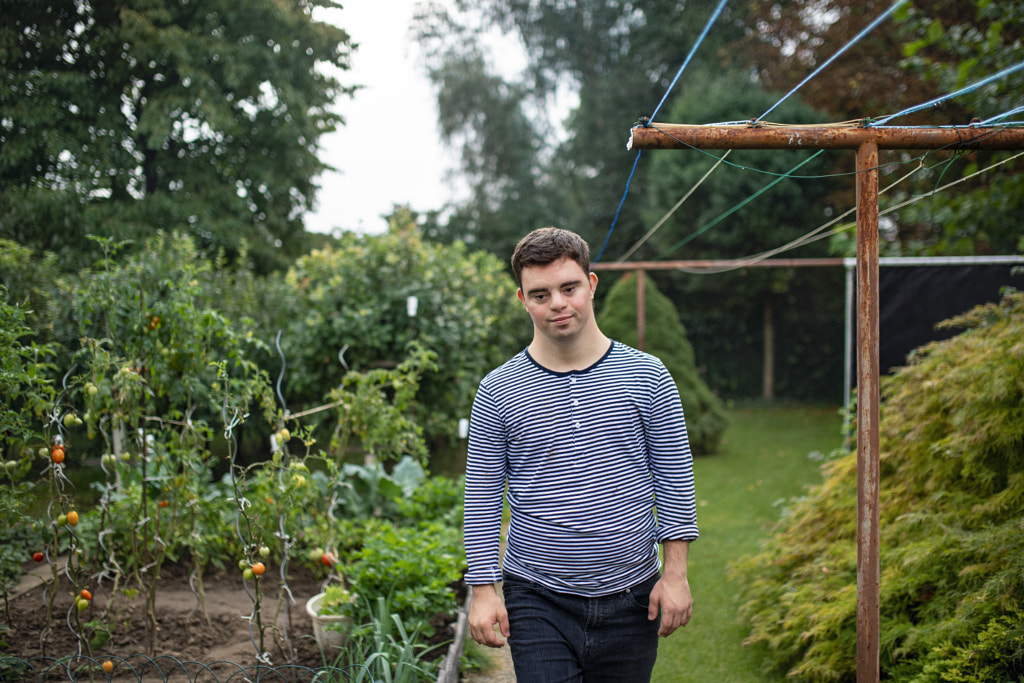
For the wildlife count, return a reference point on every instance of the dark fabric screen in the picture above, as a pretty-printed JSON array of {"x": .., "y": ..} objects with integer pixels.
[{"x": 913, "y": 299}]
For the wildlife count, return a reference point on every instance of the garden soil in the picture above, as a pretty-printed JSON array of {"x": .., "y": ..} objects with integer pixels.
[{"x": 221, "y": 638}]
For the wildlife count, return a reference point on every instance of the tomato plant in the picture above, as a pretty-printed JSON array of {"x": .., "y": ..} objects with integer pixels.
[{"x": 160, "y": 379}]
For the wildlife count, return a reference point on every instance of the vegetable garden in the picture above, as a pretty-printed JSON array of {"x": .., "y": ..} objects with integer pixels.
[{"x": 147, "y": 434}]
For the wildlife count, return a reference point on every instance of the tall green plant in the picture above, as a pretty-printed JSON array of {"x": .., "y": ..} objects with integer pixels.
[
  {"x": 157, "y": 372},
  {"x": 27, "y": 398},
  {"x": 952, "y": 505},
  {"x": 666, "y": 338}
]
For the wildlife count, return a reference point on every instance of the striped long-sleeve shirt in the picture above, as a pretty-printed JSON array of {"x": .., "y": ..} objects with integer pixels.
[{"x": 587, "y": 456}]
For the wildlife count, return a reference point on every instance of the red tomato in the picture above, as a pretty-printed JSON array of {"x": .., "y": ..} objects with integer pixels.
[{"x": 38, "y": 556}]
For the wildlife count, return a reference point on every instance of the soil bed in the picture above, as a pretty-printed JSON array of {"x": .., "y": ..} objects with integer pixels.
[{"x": 222, "y": 640}]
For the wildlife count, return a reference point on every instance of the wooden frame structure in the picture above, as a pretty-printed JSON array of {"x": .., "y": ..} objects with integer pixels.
[{"x": 866, "y": 142}]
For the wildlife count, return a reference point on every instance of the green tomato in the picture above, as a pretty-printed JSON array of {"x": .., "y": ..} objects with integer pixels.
[
  {"x": 247, "y": 574},
  {"x": 264, "y": 551},
  {"x": 243, "y": 564}
]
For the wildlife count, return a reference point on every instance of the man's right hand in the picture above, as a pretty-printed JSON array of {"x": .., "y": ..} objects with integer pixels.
[{"x": 485, "y": 610}]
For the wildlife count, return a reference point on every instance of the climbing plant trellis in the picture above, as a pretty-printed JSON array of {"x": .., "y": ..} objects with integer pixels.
[{"x": 866, "y": 141}]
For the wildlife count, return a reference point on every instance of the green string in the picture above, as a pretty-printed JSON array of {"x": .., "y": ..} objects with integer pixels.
[{"x": 707, "y": 226}]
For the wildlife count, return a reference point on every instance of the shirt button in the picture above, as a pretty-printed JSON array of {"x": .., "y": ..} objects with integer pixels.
[
  {"x": 577, "y": 425},
  {"x": 575, "y": 402}
]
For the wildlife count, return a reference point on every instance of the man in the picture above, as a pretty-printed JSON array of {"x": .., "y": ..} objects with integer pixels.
[{"x": 589, "y": 437}]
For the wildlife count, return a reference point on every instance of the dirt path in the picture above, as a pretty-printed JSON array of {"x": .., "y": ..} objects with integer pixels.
[{"x": 501, "y": 673}]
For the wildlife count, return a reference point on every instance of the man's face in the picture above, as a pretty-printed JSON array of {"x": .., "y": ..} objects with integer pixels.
[{"x": 559, "y": 298}]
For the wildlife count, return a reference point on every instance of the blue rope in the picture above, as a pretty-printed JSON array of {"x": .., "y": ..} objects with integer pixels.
[
  {"x": 1013, "y": 111},
  {"x": 621, "y": 202},
  {"x": 882, "y": 17},
  {"x": 962, "y": 91},
  {"x": 703, "y": 34}
]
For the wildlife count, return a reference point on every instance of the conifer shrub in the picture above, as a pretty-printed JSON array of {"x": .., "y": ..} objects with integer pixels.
[
  {"x": 952, "y": 526},
  {"x": 665, "y": 337}
]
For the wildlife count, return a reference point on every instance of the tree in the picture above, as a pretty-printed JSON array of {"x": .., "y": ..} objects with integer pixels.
[
  {"x": 929, "y": 48},
  {"x": 119, "y": 118},
  {"x": 666, "y": 338},
  {"x": 745, "y": 207},
  {"x": 615, "y": 58}
]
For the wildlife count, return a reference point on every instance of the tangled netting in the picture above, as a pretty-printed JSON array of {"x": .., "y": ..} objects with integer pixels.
[{"x": 168, "y": 668}]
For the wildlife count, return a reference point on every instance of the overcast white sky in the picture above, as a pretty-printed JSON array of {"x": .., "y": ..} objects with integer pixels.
[{"x": 388, "y": 151}]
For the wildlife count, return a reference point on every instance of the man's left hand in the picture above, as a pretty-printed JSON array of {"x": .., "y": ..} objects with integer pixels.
[{"x": 671, "y": 596}]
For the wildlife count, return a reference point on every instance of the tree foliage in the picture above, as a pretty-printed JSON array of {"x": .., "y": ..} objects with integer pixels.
[
  {"x": 665, "y": 338},
  {"x": 928, "y": 49},
  {"x": 120, "y": 118},
  {"x": 755, "y": 201},
  {"x": 348, "y": 310},
  {"x": 952, "y": 501},
  {"x": 614, "y": 59}
]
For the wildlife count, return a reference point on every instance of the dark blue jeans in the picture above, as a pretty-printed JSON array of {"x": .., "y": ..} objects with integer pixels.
[{"x": 562, "y": 638}]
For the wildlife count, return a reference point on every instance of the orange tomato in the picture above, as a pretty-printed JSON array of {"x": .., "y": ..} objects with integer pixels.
[
  {"x": 85, "y": 595},
  {"x": 57, "y": 454},
  {"x": 258, "y": 569},
  {"x": 73, "y": 518},
  {"x": 108, "y": 666}
]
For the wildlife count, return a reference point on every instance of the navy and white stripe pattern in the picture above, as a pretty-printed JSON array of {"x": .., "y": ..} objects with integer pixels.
[{"x": 587, "y": 455}]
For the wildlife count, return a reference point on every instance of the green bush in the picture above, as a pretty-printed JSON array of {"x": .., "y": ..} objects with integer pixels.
[
  {"x": 348, "y": 310},
  {"x": 666, "y": 339},
  {"x": 413, "y": 567},
  {"x": 952, "y": 526}
]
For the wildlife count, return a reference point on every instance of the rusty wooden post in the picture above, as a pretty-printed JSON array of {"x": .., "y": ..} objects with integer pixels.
[
  {"x": 641, "y": 309},
  {"x": 868, "y": 564}
]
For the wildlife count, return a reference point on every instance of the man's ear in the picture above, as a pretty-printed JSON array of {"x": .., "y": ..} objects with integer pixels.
[
  {"x": 519, "y": 295},
  {"x": 593, "y": 282}
]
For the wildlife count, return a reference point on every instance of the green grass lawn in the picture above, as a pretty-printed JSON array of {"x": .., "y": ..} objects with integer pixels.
[{"x": 763, "y": 461}]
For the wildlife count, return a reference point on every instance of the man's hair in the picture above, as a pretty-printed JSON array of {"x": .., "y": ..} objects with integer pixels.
[{"x": 547, "y": 245}]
